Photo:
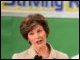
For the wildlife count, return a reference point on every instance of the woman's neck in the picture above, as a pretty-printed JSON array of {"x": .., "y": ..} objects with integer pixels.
[{"x": 43, "y": 51}]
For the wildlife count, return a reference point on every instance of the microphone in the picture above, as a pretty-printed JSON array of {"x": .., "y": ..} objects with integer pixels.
[{"x": 38, "y": 57}]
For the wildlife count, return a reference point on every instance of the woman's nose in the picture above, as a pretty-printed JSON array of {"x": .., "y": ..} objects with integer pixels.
[{"x": 37, "y": 36}]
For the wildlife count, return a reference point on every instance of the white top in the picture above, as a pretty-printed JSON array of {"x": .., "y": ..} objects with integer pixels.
[{"x": 30, "y": 54}]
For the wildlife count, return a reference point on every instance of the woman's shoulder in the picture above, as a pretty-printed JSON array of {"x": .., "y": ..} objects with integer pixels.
[
  {"x": 60, "y": 54},
  {"x": 27, "y": 54},
  {"x": 57, "y": 54},
  {"x": 20, "y": 55}
]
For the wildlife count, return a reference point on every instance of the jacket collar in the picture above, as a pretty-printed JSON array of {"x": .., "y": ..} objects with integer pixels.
[{"x": 52, "y": 55}]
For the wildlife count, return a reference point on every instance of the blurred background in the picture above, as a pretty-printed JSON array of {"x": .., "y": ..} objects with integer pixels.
[{"x": 63, "y": 21}]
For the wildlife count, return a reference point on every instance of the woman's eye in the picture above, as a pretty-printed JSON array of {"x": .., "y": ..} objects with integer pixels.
[
  {"x": 39, "y": 31},
  {"x": 31, "y": 33}
]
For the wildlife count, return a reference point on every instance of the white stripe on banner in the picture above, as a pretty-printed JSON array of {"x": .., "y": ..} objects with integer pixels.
[{"x": 46, "y": 14}]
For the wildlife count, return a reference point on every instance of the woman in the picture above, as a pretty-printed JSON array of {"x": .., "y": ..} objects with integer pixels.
[{"x": 34, "y": 28}]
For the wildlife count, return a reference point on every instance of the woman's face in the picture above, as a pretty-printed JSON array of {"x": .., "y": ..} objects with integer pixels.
[{"x": 37, "y": 36}]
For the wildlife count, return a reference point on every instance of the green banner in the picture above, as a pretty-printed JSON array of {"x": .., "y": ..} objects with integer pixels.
[{"x": 63, "y": 36}]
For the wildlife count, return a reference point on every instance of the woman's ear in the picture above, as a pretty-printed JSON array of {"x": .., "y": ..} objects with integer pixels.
[{"x": 29, "y": 42}]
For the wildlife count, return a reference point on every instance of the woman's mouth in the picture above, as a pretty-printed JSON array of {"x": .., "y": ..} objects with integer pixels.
[{"x": 39, "y": 41}]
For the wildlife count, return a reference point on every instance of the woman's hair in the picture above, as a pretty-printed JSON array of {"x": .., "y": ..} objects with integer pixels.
[{"x": 30, "y": 21}]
